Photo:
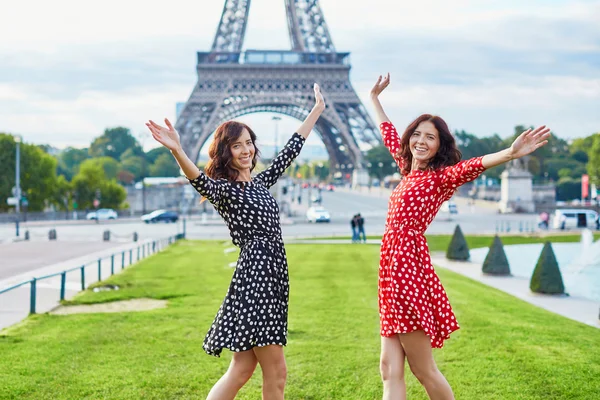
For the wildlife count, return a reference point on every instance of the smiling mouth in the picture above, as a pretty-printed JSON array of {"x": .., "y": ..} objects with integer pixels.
[{"x": 420, "y": 150}]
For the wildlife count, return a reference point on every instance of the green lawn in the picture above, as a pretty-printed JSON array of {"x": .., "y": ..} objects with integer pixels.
[
  {"x": 506, "y": 349},
  {"x": 441, "y": 242}
]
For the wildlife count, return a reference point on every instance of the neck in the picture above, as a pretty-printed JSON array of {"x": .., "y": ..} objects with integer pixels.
[
  {"x": 244, "y": 175},
  {"x": 417, "y": 165}
]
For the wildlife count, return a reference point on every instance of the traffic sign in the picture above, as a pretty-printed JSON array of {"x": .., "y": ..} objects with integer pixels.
[{"x": 11, "y": 201}]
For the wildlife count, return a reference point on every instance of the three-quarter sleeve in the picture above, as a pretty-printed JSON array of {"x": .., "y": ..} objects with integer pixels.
[
  {"x": 283, "y": 160},
  {"x": 207, "y": 187},
  {"x": 462, "y": 172},
  {"x": 391, "y": 140}
]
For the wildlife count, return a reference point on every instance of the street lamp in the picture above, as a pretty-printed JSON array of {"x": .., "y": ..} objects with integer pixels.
[
  {"x": 18, "y": 139},
  {"x": 276, "y": 119}
]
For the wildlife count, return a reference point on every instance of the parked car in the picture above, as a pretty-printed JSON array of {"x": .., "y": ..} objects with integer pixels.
[
  {"x": 565, "y": 218},
  {"x": 102, "y": 214},
  {"x": 160, "y": 216},
  {"x": 330, "y": 188},
  {"x": 317, "y": 214}
]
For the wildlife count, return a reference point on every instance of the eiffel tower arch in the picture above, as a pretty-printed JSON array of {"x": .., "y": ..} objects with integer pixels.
[{"x": 232, "y": 83}]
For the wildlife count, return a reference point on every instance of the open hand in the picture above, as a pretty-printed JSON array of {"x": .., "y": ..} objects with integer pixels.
[
  {"x": 320, "y": 101},
  {"x": 380, "y": 85},
  {"x": 168, "y": 136},
  {"x": 529, "y": 141}
]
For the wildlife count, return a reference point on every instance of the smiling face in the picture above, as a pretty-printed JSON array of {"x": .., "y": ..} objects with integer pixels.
[
  {"x": 424, "y": 143},
  {"x": 242, "y": 152}
]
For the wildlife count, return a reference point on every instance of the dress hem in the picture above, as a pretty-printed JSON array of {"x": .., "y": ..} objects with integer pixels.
[
  {"x": 216, "y": 352},
  {"x": 417, "y": 328}
]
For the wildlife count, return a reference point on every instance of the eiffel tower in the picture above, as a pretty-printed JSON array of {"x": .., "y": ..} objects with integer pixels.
[{"x": 232, "y": 83}]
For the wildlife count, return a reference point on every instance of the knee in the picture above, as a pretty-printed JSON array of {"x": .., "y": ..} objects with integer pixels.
[
  {"x": 424, "y": 373},
  {"x": 242, "y": 372},
  {"x": 391, "y": 370},
  {"x": 276, "y": 374}
]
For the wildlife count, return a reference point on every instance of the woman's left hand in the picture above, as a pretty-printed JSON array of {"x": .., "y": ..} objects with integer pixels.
[
  {"x": 529, "y": 141},
  {"x": 320, "y": 101}
]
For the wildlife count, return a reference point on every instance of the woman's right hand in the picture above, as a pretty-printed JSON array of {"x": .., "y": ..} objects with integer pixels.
[
  {"x": 168, "y": 136},
  {"x": 380, "y": 85}
]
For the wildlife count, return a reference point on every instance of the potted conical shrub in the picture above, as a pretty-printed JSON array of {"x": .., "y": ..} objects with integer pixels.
[
  {"x": 546, "y": 277},
  {"x": 495, "y": 262},
  {"x": 458, "y": 248}
]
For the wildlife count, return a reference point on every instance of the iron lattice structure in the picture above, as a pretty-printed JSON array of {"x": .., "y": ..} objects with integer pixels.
[{"x": 232, "y": 83}]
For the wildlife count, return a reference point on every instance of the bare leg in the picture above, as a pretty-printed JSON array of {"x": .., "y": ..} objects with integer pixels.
[
  {"x": 274, "y": 371},
  {"x": 391, "y": 366},
  {"x": 240, "y": 370},
  {"x": 417, "y": 348}
]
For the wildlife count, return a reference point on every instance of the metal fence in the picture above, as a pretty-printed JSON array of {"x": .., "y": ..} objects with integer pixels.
[{"x": 117, "y": 260}]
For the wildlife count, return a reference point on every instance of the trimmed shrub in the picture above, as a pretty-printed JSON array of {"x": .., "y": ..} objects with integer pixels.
[
  {"x": 496, "y": 262},
  {"x": 458, "y": 248},
  {"x": 546, "y": 277}
]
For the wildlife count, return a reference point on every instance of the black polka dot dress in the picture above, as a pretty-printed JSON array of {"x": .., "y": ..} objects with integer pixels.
[{"x": 254, "y": 312}]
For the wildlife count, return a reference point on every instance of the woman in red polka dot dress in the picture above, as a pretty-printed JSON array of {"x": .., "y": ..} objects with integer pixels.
[{"x": 415, "y": 313}]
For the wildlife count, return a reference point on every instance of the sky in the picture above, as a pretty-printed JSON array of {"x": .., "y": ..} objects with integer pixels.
[{"x": 70, "y": 69}]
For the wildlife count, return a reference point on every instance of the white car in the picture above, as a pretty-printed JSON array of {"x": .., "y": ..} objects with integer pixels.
[
  {"x": 574, "y": 218},
  {"x": 102, "y": 214},
  {"x": 449, "y": 207},
  {"x": 317, "y": 214}
]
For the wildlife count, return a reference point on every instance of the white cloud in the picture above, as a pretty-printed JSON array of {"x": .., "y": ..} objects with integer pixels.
[{"x": 71, "y": 69}]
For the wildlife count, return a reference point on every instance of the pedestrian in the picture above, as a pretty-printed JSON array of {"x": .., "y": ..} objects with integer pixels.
[
  {"x": 360, "y": 224},
  {"x": 415, "y": 314},
  {"x": 252, "y": 321},
  {"x": 354, "y": 227}
]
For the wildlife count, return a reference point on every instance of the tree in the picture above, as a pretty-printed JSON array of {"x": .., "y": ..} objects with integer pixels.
[
  {"x": 135, "y": 165},
  {"x": 69, "y": 161},
  {"x": 38, "y": 174},
  {"x": 86, "y": 183},
  {"x": 91, "y": 180},
  {"x": 109, "y": 165},
  {"x": 164, "y": 165},
  {"x": 381, "y": 162},
  {"x": 153, "y": 154},
  {"x": 593, "y": 165},
  {"x": 62, "y": 196},
  {"x": 114, "y": 142},
  {"x": 568, "y": 188}
]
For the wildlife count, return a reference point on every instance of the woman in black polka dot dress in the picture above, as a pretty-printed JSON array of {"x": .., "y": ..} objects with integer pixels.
[{"x": 252, "y": 321}]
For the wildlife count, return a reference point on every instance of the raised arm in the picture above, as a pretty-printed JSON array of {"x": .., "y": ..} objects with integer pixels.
[
  {"x": 169, "y": 138},
  {"x": 311, "y": 119},
  {"x": 291, "y": 150},
  {"x": 391, "y": 140},
  {"x": 527, "y": 142},
  {"x": 379, "y": 87}
]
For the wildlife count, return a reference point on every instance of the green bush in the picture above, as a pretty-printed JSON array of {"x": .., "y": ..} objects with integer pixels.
[
  {"x": 495, "y": 262},
  {"x": 546, "y": 277},
  {"x": 458, "y": 248}
]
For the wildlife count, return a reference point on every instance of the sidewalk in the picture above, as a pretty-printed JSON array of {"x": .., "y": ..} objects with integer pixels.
[{"x": 15, "y": 304}]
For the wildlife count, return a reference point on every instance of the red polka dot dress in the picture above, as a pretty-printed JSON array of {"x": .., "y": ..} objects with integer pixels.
[{"x": 411, "y": 296}]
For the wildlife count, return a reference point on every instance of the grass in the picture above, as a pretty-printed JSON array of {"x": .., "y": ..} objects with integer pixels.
[
  {"x": 506, "y": 349},
  {"x": 441, "y": 242}
]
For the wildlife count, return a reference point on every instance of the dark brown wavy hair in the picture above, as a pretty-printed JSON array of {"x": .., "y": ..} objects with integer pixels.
[
  {"x": 219, "y": 165},
  {"x": 448, "y": 154}
]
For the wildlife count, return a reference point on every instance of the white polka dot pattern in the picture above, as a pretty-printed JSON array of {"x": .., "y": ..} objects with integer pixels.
[
  {"x": 411, "y": 296},
  {"x": 254, "y": 311}
]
